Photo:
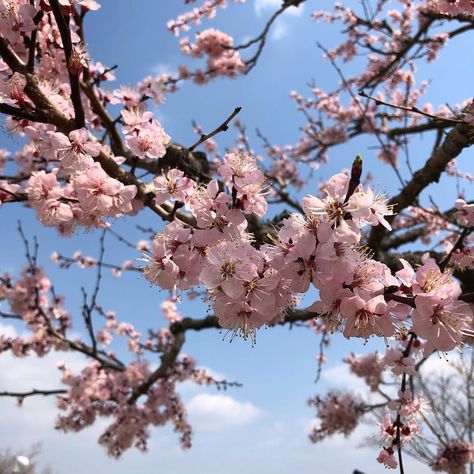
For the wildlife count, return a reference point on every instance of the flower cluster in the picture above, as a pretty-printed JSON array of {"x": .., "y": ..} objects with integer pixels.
[
  {"x": 77, "y": 166},
  {"x": 98, "y": 392},
  {"x": 337, "y": 413},
  {"x": 454, "y": 457},
  {"x": 245, "y": 291},
  {"x": 222, "y": 58},
  {"x": 207, "y": 10},
  {"x": 369, "y": 368},
  {"x": 143, "y": 134},
  {"x": 89, "y": 196},
  {"x": 106, "y": 386},
  {"x": 31, "y": 299},
  {"x": 458, "y": 7},
  {"x": 321, "y": 248},
  {"x": 439, "y": 317},
  {"x": 249, "y": 287}
]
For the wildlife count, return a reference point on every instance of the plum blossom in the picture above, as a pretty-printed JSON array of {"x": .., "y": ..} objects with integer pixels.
[
  {"x": 369, "y": 367},
  {"x": 333, "y": 209},
  {"x": 100, "y": 194},
  {"x": 400, "y": 364},
  {"x": 16, "y": 18},
  {"x": 441, "y": 322},
  {"x": 366, "y": 317},
  {"x": 337, "y": 413},
  {"x": 246, "y": 181},
  {"x": 75, "y": 151},
  {"x": 222, "y": 59},
  {"x": 465, "y": 213},
  {"x": 173, "y": 185},
  {"x": 7, "y": 191},
  {"x": 228, "y": 265},
  {"x": 149, "y": 142},
  {"x": 134, "y": 118},
  {"x": 387, "y": 458}
]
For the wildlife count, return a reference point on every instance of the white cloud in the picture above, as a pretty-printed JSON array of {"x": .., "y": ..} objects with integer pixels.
[
  {"x": 7, "y": 330},
  {"x": 216, "y": 412},
  {"x": 264, "y": 6},
  {"x": 34, "y": 421},
  {"x": 340, "y": 376},
  {"x": 163, "y": 68},
  {"x": 282, "y": 27}
]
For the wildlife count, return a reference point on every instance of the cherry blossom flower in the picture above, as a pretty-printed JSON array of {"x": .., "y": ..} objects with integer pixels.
[
  {"x": 173, "y": 185},
  {"x": 149, "y": 142},
  {"x": 441, "y": 322},
  {"x": 76, "y": 151}
]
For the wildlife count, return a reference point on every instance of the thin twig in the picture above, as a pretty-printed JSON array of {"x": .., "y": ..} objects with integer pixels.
[
  {"x": 223, "y": 127},
  {"x": 414, "y": 110},
  {"x": 33, "y": 392}
]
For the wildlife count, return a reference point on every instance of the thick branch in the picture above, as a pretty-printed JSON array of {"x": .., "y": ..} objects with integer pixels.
[
  {"x": 460, "y": 137},
  {"x": 15, "y": 112},
  {"x": 65, "y": 32},
  {"x": 98, "y": 108},
  {"x": 167, "y": 360},
  {"x": 11, "y": 58},
  {"x": 420, "y": 128}
]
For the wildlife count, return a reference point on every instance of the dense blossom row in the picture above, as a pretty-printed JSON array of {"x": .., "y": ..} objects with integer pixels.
[{"x": 249, "y": 287}]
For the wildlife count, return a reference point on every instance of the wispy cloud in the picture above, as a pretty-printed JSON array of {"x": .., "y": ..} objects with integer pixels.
[
  {"x": 280, "y": 30},
  {"x": 282, "y": 26},
  {"x": 264, "y": 6},
  {"x": 340, "y": 376},
  {"x": 163, "y": 68}
]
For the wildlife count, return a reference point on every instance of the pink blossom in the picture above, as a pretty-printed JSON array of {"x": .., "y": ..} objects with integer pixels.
[
  {"x": 337, "y": 413},
  {"x": 387, "y": 458},
  {"x": 7, "y": 191},
  {"x": 134, "y": 118},
  {"x": 441, "y": 322},
  {"x": 333, "y": 208},
  {"x": 42, "y": 186},
  {"x": 76, "y": 151},
  {"x": 227, "y": 267},
  {"x": 453, "y": 457},
  {"x": 465, "y": 214},
  {"x": 149, "y": 142},
  {"x": 400, "y": 364},
  {"x": 369, "y": 367},
  {"x": 364, "y": 318},
  {"x": 173, "y": 185},
  {"x": 16, "y": 18}
]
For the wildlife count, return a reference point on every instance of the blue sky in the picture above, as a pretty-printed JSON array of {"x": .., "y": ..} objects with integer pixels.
[{"x": 263, "y": 425}]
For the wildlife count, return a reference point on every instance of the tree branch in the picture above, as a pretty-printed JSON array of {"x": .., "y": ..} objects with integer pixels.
[
  {"x": 223, "y": 127},
  {"x": 65, "y": 32},
  {"x": 33, "y": 392},
  {"x": 460, "y": 137}
]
